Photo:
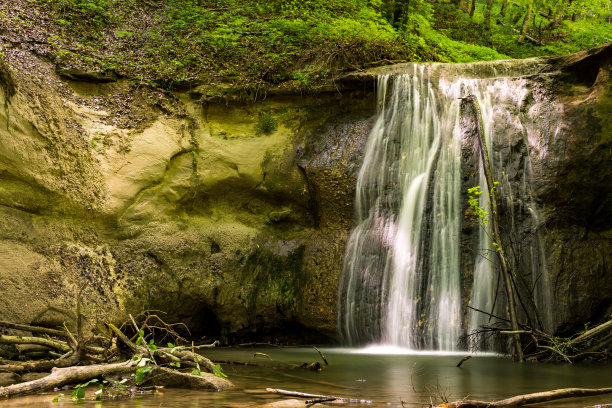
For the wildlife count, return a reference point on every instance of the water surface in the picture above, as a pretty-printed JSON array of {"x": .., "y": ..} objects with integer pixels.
[{"x": 385, "y": 379}]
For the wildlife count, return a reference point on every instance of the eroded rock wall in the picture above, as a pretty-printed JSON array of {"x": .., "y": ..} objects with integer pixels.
[{"x": 156, "y": 200}]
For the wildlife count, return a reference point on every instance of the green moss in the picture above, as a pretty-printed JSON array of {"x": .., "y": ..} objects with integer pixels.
[{"x": 271, "y": 278}]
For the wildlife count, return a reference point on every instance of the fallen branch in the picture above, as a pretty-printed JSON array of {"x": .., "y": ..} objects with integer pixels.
[
  {"x": 40, "y": 366},
  {"x": 54, "y": 344},
  {"x": 62, "y": 376},
  {"x": 306, "y": 395},
  {"x": 159, "y": 376},
  {"x": 527, "y": 399},
  {"x": 33, "y": 329},
  {"x": 321, "y": 354},
  {"x": 533, "y": 40},
  {"x": 592, "y": 332}
]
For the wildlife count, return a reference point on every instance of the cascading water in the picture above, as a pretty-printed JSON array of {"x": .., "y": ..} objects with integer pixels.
[{"x": 401, "y": 282}]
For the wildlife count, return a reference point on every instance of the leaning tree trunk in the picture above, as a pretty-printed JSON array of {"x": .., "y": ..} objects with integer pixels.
[
  {"x": 503, "y": 262},
  {"x": 526, "y": 22}
]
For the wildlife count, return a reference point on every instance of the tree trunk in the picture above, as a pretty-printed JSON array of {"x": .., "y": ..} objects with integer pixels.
[
  {"x": 504, "y": 7},
  {"x": 473, "y": 8},
  {"x": 488, "y": 14},
  {"x": 526, "y": 22},
  {"x": 503, "y": 262}
]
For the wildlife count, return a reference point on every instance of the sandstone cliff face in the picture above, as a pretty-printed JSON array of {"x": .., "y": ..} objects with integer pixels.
[{"x": 157, "y": 200}]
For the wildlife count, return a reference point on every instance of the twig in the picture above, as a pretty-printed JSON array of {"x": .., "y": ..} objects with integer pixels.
[
  {"x": 321, "y": 354},
  {"x": 71, "y": 336},
  {"x": 143, "y": 341}
]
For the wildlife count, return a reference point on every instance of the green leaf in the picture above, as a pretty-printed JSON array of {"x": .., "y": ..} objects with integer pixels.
[
  {"x": 153, "y": 347},
  {"x": 151, "y": 342},
  {"x": 141, "y": 333},
  {"x": 218, "y": 371},
  {"x": 80, "y": 392},
  {"x": 138, "y": 341},
  {"x": 170, "y": 345}
]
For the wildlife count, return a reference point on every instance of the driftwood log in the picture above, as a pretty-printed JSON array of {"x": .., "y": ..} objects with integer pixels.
[
  {"x": 77, "y": 359},
  {"x": 79, "y": 374},
  {"x": 527, "y": 399}
]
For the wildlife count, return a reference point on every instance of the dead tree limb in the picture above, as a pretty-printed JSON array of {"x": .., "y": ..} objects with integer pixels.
[
  {"x": 321, "y": 354},
  {"x": 527, "y": 399},
  {"x": 533, "y": 40},
  {"x": 78, "y": 374},
  {"x": 593, "y": 332},
  {"x": 33, "y": 329},
  {"x": 306, "y": 395},
  {"x": 62, "y": 376},
  {"x": 54, "y": 344}
]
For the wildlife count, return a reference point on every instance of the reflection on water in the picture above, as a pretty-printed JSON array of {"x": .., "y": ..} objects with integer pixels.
[{"x": 383, "y": 378}]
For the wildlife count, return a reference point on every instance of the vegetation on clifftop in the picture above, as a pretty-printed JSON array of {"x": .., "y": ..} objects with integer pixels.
[{"x": 248, "y": 43}]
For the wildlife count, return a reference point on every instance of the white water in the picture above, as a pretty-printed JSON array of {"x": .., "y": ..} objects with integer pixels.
[{"x": 401, "y": 281}]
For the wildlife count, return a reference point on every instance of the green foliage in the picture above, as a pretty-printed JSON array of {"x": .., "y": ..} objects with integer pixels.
[
  {"x": 483, "y": 216},
  {"x": 219, "y": 372},
  {"x": 79, "y": 390},
  {"x": 474, "y": 201},
  {"x": 266, "y": 124},
  {"x": 562, "y": 345},
  {"x": 558, "y": 36},
  {"x": 251, "y": 43},
  {"x": 142, "y": 369},
  {"x": 196, "y": 370}
]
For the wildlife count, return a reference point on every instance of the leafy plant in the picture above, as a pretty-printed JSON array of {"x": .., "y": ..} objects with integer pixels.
[
  {"x": 79, "y": 390},
  {"x": 142, "y": 369},
  {"x": 474, "y": 201},
  {"x": 266, "y": 123},
  {"x": 196, "y": 370},
  {"x": 219, "y": 372}
]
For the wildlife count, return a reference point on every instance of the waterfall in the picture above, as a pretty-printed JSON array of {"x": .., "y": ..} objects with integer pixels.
[{"x": 401, "y": 279}]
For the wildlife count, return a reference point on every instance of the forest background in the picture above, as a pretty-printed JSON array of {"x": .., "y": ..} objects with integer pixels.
[{"x": 251, "y": 44}]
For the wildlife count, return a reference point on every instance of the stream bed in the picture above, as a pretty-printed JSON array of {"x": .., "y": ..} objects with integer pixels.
[{"x": 386, "y": 377}]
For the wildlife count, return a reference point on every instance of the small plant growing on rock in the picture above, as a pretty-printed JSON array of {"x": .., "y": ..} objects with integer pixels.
[{"x": 266, "y": 124}]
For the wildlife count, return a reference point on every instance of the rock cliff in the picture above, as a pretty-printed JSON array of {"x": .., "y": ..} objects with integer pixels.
[{"x": 151, "y": 199}]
